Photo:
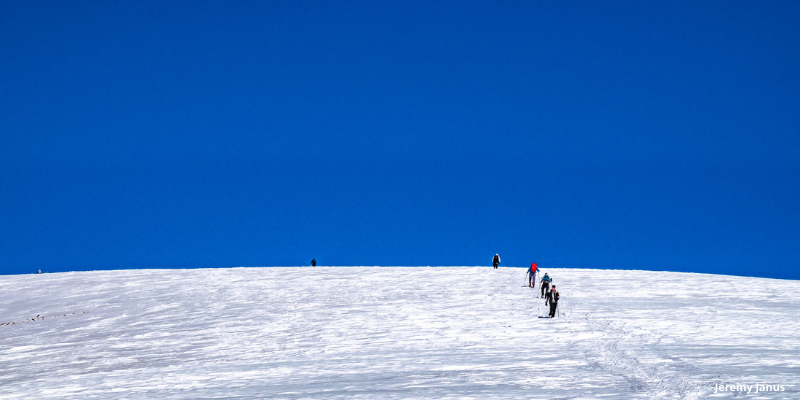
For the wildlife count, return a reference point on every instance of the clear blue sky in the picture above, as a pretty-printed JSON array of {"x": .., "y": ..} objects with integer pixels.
[{"x": 646, "y": 135}]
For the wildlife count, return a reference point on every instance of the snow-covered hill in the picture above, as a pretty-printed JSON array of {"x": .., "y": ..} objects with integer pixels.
[{"x": 378, "y": 332}]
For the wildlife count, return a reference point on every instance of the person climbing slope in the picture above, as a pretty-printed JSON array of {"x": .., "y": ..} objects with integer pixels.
[
  {"x": 496, "y": 261},
  {"x": 546, "y": 283},
  {"x": 313, "y": 262},
  {"x": 532, "y": 275},
  {"x": 552, "y": 299}
]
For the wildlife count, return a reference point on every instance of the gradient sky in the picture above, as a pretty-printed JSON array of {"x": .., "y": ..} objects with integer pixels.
[{"x": 631, "y": 135}]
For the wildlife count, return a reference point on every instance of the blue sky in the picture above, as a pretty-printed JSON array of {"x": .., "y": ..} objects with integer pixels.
[{"x": 644, "y": 135}]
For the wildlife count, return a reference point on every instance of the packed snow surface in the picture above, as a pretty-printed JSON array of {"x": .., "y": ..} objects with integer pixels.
[{"x": 390, "y": 333}]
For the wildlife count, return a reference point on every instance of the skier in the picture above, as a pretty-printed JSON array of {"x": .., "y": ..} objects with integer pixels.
[
  {"x": 546, "y": 283},
  {"x": 552, "y": 299},
  {"x": 313, "y": 262},
  {"x": 496, "y": 261},
  {"x": 532, "y": 275}
]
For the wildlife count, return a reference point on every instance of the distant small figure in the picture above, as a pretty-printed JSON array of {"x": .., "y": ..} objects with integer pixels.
[
  {"x": 532, "y": 275},
  {"x": 40, "y": 271},
  {"x": 313, "y": 262},
  {"x": 546, "y": 283},
  {"x": 552, "y": 299},
  {"x": 496, "y": 261}
]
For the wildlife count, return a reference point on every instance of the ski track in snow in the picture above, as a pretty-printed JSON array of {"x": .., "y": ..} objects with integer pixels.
[{"x": 383, "y": 333}]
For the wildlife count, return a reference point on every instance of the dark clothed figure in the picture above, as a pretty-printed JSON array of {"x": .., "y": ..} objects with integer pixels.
[
  {"x": 552, "y": 299},
  {"x": 546, "y": 284}
]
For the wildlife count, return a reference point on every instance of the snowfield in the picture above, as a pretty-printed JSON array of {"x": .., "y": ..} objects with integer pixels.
[{"x": 391, "y": 333}]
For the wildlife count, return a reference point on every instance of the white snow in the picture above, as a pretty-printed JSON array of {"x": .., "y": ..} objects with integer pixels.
[{"x": 379, "y": 332}]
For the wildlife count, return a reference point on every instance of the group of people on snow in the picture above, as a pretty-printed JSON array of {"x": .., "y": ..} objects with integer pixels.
[{"x": 548, "y": 293}]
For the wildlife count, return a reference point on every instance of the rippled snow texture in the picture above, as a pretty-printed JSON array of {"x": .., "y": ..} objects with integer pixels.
[{"x": 383, "y": 333}]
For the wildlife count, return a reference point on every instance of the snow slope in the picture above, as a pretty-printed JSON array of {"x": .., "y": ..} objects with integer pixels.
[{"x": 378, "y": 332}]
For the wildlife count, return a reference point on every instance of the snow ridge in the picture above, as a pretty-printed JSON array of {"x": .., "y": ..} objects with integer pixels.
[{"x": 394, "y": 333}]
